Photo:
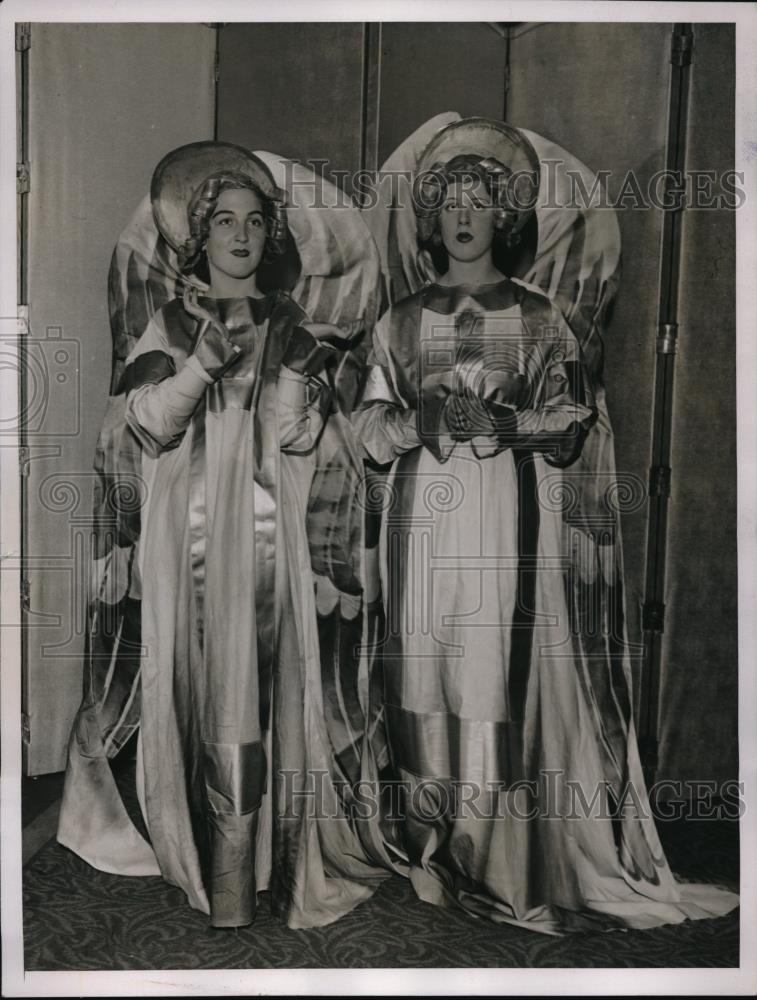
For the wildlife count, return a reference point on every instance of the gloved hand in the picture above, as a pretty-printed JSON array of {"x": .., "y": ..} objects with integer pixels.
[
  {"x": 343, "y": 338},
  {"x": 213, "y": 349},
  {"x": 190, "y": 301},
  {"x": 467, "y": 417},
  {"x": 312, "y": 344}
]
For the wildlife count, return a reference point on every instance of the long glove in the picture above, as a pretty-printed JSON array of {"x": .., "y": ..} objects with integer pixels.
[{"x": 313, "y": 344}]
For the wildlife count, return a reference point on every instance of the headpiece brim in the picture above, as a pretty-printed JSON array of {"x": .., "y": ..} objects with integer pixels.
[
  {"x": 179, "y": 174},
  {"x": 495, "y": 140}
]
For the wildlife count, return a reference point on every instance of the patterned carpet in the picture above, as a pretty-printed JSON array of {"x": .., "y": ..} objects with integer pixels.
[{"x": 79, "y": 918}]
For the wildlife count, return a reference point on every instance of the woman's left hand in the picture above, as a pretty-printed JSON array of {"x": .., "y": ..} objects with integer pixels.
[
  {"x": 467, "y": 417},
  {"x": 340, "y": 337}
]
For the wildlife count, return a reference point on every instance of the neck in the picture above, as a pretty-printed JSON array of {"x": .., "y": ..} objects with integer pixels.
[
  {"x": 223, "y": 286},
  {"x": 471, "y": 272}
]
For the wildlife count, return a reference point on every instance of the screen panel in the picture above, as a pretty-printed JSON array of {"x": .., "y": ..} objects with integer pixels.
[
  {"x": 97, "y": 129},
  {"x": 426, "y": 69},
  {"x": 569, "y": 83},
  {"x": 698, "y": 730},
  {"x": 294, "y": 90},
  {"x": 602, "y": 91}
]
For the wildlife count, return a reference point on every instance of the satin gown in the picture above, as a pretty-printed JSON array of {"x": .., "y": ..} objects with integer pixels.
[
  {"x": 236, "y": 767},
  {"x": 518, "y": 791}
]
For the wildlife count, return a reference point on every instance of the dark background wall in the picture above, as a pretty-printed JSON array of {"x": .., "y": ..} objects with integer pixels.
[
  {"x": 348, "y": 94},
  {"x": 700, "y": 651},
  {"x": 429, "y": 68},
  {"x": 293, "y": 89}
]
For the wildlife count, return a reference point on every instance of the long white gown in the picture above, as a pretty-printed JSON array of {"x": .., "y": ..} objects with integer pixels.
[{"x": 506, "y": 698}]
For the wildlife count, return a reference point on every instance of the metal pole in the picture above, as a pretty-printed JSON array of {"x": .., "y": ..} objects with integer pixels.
[
  {"x": 370, "y": 98},
  {"x": 653, "y": 616}
]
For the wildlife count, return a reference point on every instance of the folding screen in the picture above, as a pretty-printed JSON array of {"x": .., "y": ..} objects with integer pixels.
[
  {"x": 347, "y": 94},
  {"x": 350, "y": 93}
]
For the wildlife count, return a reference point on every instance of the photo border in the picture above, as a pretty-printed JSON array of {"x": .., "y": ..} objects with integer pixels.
[{"x": 699, "y": 981}]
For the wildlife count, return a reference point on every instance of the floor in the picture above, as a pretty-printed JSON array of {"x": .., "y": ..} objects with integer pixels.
[
  {"x": 40, "y": 804},
  {"x": 79, "y": 918}
]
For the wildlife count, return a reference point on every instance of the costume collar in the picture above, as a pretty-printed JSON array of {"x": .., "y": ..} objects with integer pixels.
[
  {"x": 240, "y": 312},
  {"x": 448, "y": 299}
]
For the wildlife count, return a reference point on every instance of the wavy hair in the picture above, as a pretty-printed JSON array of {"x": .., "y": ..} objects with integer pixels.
[
  {"x": 203, "y": 204},
  {"x": 511, "y": 194},
  {"x": 506, "y": 189}
]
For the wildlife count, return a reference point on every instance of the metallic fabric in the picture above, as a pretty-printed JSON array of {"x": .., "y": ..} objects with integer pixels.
[
  {"x": 234, "y": 777},
  {"x": 505, "y": 705},
  {"x": 206, "y": 691},
  {"x": 231, "y": 711},
  {"x": 443, "y": 745}
]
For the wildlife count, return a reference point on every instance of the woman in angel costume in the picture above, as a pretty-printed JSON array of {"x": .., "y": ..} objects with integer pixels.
[
  {"x": 228, "y": 596},
  {"x": 507, "y": 705}
]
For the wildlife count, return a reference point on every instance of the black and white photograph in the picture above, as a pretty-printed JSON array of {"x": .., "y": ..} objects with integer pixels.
[{"x": 378, "y": 498}]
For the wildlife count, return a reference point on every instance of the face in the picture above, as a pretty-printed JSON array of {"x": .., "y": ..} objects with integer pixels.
[
  {"x": 236, "y": 234},
  {"x": 467, "y": 220}
]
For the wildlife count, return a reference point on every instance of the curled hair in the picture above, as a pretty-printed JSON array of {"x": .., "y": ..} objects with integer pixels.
[
  {"x": 203, "y": 204},
  {"x": 513, "y": 194}
]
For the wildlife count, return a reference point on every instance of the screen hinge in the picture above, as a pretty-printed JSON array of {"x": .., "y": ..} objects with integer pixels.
[
  {"x": 23, "y": 36},
  {"x": 667, "y": 338},
  {"x": 653, "y": 616},
  {"x": 22, "y": 178},
  {"x": 26, "y": 728},
  {"x": 659, "y": 481},
  {"x": 681, "y": 47}
]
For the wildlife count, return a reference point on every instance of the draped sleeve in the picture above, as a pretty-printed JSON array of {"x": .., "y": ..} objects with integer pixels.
[
  {"x": 384, "y": 422},
  {"x": 164, "y": 386},
  {"x": 303, "y": 405}
]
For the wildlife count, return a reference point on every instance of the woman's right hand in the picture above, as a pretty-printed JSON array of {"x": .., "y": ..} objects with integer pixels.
[
  {"x": 193, "y": 307},
  {"x": 213, "y": 349}
]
